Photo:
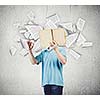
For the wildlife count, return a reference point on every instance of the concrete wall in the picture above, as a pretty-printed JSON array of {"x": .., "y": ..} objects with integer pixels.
[{"x": 19, "y": 76}]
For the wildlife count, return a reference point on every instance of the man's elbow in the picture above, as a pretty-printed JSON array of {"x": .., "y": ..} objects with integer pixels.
[{"x": 33, "y": 63}]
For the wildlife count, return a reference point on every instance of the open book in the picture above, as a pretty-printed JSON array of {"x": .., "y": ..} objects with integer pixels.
[{"x": 47, "y": 35}]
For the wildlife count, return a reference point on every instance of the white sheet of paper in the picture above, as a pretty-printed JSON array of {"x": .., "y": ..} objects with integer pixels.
[
  {"x": 30, "y": 23},
  {"x": 74, "y": 28},
  {"x": 68, "y": 26},
  {"x": 34, "y": 36},
  {"x": 27, "y": 34},
  {"x": 74, "y": 54},
  {"x": 80, "y": 24},
  {"x": 70, "y": 39},
  {"x": 33, "y": 28},
  {"x": 50, "y": 25},
  {"x": 17, "y": 38},
  {"x": 17, "y": 25},
  {"x": 13, "y": 50},
  {"x": 54, "y": 18},
  {"x": 22, "y": 31},
  {"x": 31, "y": 15},
  {"x": 81, "y": 39},
  {"x": 23, "y": 52},
  {"x": 24, "y": 44},
  {"x": 87, "y": 44}
]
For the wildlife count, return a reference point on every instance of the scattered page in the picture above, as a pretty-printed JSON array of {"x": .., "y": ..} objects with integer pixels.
[
  {"x": 68, "y": 26},
  {"x": 17, "y": 38},
  {"x": 87, "y": 44},
  {"x": 23, "y": 52},
  {"x": 80, "y": 24},
  {"x": 33, "y": 28},
  {"x": 22, "y": 31},
  {"x": 54, "y": 18},
  {"x": 50, "y": 25},
  {"x": 27, "y": 34},
  {"x": 31, "y": 15},
  {"x": 75, "y": 54},
  {"x": 13, "y": 50},
  {"x": 34, "y": 36},
  {"x": 70, "y": 39},
  {"x": 81, "y": 39}
]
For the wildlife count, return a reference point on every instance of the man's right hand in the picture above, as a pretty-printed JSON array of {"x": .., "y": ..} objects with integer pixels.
[
  {"x": 30, "y": 44},
  {"x": 32, "y": 58}
]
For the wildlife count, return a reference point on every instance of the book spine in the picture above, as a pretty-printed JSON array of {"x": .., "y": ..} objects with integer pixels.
[{"x": 52, "y": 34}]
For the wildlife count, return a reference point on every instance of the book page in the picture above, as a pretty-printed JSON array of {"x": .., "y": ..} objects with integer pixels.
[
  {"x": 45, "y": 38},
  {"x": 59, "y": 36}
]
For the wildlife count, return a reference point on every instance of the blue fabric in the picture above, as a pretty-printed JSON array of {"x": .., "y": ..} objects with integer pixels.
[
  {"x": 53, "y": 90},
  {"x": 51, "y": 67}
]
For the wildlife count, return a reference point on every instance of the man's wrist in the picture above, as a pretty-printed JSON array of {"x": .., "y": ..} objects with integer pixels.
[
  {"x": 56, "y": 48},
  {"x": 30, "y": 50}
]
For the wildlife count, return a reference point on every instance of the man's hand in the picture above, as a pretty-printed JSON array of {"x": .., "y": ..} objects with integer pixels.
[
  {"x": 59, "y": 55},
  {"x": 32, "y": 58},
  {"x": 53, "y": 44},
  {"x": 30, "y": 44}
]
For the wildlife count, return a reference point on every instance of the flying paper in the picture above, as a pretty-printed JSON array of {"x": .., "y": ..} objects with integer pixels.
[
  {"x": 80, "y": 24},
  {"x": 54, "y": 18},
  {"x": 33, "y": 28},
  {"x": 81, "y": 39},
  {"x": 50, "y": 25},
  {"x": 31, "y": 16},
  {"x": 75, "y": 54},
  {"x": 68, "y": 26},
  {"x": 27, "y": 34},
  {"x": 34, "y": 36},
  {"x": 23, "y": 52},
  {"x": 87, "y": 44},
  {"x": 70, "y": 39},
  {"x": 13, "y": 50}
]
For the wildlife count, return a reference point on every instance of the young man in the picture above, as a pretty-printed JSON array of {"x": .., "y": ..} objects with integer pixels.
[{"x": 52, "y": 67}]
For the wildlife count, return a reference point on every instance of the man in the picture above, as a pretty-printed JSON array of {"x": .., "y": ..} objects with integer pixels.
[{"x": 52, "y": 67}]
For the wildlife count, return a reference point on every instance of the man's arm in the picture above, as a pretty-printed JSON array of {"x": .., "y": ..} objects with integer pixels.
[
  {"x": 59, "y": 55},
  {"x": 31, "y": 56}
]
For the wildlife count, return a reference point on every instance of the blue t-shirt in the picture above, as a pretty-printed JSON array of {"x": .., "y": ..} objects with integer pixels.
[{"x": 51, "y": 67}]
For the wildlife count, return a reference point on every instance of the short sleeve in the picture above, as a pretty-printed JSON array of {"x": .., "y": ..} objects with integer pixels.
[{"x": 39, "y": 58}]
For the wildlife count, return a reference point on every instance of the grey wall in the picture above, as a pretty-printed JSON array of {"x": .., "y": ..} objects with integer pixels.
[{"x": 19, "y": 76}]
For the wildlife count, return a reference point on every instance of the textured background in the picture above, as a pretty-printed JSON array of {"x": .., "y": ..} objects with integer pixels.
[{"x": 19, "y": 76}]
